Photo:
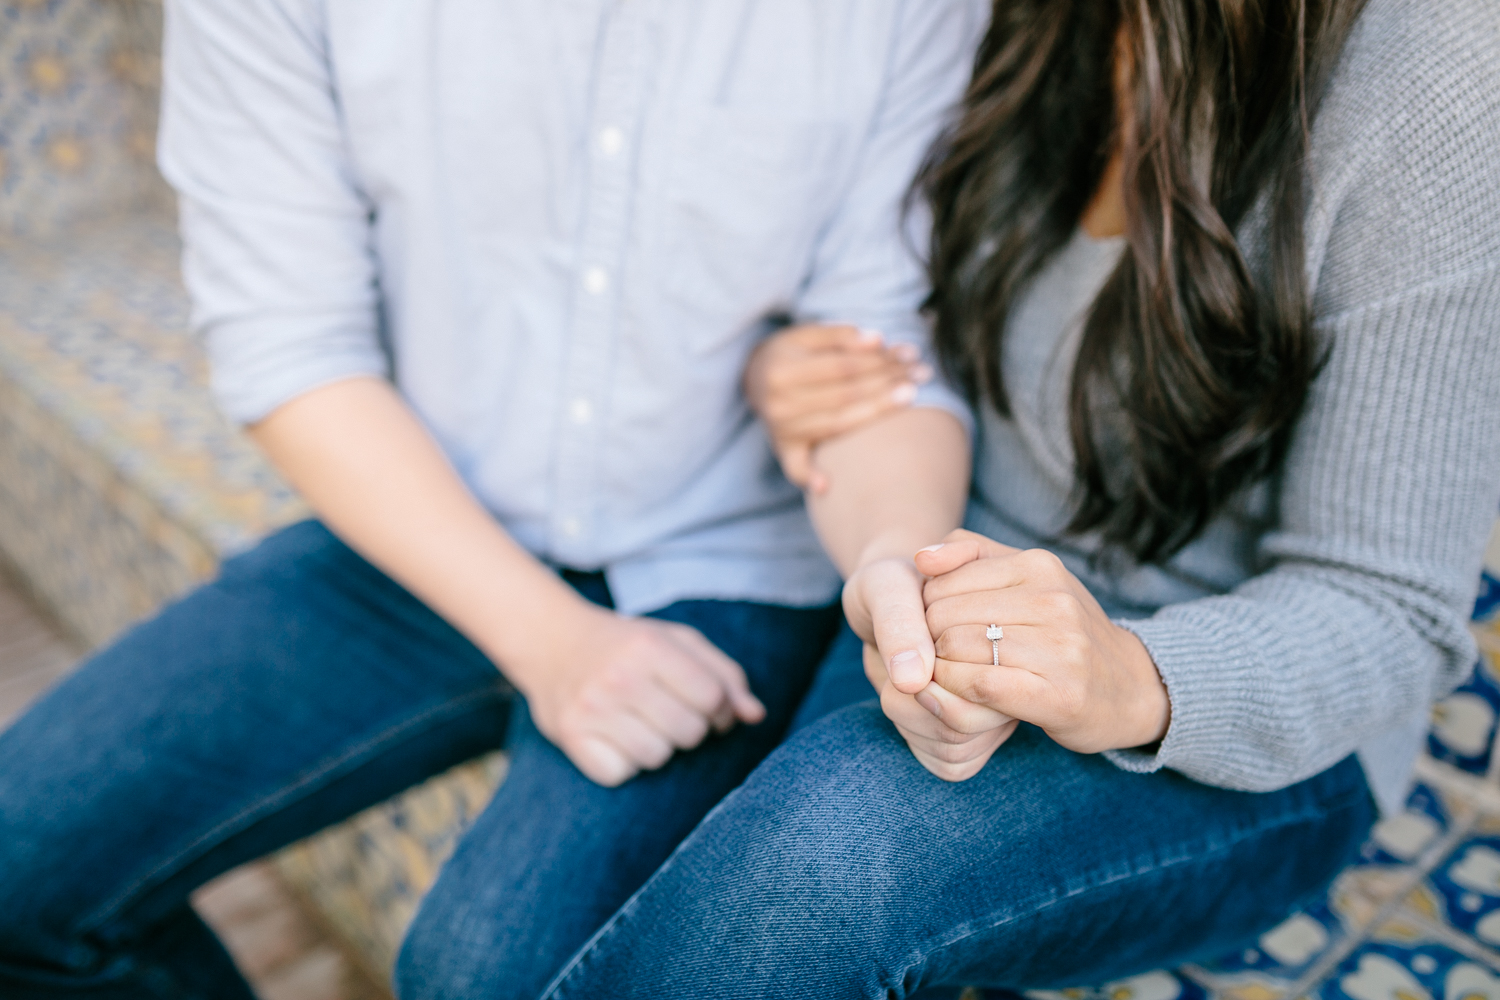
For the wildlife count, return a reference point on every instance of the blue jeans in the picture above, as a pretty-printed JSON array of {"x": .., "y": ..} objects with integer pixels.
[
  {"x": 300, "y": 687},
  {"x": 843, "y": 869}
]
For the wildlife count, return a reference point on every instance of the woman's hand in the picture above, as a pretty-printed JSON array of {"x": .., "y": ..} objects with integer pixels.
[
  {"x": 949, "y": 736},
  {"x": 1064, "y": 666},
  {"x": 811, "y": 383}
]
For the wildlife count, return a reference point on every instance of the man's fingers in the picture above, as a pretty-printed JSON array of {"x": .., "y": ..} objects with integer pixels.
[
  {"x": 978, "y": 755},
  {"x": 641, "y": 745},
  {"x": 958, "y": 548},
  {"x": 683, "y": 726},
  {"x": 917, "y": 722},
  {"x": 601, "y": 762},
  {"x": 747, "y": 707},
  {"x": 901, "y": 634},
  {"x": 692, "y": 683}
]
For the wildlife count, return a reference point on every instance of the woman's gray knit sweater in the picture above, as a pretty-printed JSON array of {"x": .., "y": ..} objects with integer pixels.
[{"x": 1324, "y": 613}]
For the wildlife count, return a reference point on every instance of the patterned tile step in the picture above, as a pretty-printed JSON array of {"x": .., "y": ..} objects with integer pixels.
[{"x": 120, "y": 484}]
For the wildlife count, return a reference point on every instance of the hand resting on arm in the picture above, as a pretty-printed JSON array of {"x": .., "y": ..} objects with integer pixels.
[
  {"x": 883, "y": 480},
  {"x": 618, "y": 695}
]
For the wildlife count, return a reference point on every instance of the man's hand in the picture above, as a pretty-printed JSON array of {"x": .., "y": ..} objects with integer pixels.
[
  {"x": 949, "y": 736},
  {"x": 1064, "y": 666},
  {"x": 621, "y": 695},
  {"x": 812, "y": 383}
]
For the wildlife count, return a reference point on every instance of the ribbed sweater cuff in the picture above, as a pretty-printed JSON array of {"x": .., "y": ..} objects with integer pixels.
[{"x": 1207, "y": 693}]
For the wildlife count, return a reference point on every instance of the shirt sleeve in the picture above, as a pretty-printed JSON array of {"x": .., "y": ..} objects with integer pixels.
[
  {"x": 868, "y": 268},
  {"x": 277, "y": 235},
  {"x": 1391, "y": 484}
]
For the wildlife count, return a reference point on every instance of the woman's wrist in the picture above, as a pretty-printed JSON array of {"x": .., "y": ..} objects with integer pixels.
[{"x": 1151, "y": 707}]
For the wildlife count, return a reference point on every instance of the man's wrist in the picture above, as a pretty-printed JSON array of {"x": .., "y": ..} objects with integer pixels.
[
  {"x": 897, "y": 544},
  {"x": 521, "y": 640}
]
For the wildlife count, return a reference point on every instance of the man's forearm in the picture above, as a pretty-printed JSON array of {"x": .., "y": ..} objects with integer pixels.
[
  {"x": 894, "y": 486},
  {"x": 377, "y": 479}
]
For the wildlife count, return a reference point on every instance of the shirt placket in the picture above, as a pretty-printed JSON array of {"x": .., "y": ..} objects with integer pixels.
[{"x": 613, "y": 127}]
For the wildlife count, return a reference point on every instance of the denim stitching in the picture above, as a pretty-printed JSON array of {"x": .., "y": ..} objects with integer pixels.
[
  {"x": 557, "y": 987},
  {"x": 311, "y": 781},
  {"x": 1226, "y": 847}
]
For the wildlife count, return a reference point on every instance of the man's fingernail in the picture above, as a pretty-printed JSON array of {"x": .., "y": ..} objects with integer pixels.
[
  {"x": 932, "y": 548},
  {"x": 905, "y": 393},
  {"x": 906, "y": 667},
  {"x": 927, "y": 701}
]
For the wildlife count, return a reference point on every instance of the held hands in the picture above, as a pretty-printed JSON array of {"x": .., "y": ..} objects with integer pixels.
[
  {"x": 1064, "y": 666},
  {"x": 621, "y": 695},
  {"x": 811, "y": 383}
]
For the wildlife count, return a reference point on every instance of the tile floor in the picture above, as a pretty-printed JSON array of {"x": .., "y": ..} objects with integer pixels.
[{"x": 283, "y": 953}]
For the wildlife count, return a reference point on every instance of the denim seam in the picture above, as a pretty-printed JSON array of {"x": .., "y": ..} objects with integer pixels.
[
  {"x": 1293, "y": 819},
  {"x": 555, "y": 989},
  {"x": 310, "y": 781},
  {"x": 558, "y": 981}
]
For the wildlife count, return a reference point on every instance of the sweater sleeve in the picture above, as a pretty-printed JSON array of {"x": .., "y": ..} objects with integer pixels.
[{"x": 1359, "y": 619}]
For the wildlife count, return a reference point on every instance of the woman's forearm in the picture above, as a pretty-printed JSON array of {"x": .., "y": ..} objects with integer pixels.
[{"x": 378, "y": 480}]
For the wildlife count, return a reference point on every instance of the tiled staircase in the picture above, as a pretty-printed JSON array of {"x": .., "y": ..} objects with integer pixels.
[{"x": 120, "y": 486}]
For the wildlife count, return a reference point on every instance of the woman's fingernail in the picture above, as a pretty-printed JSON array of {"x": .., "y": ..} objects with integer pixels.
[
  {"x": 922, "y": 374},
  {"x": 930, "y": 703},
  {"x": 905, "y": 393},
  {"x": 932, "y": 548},
  {"x": 906, "y": 667},
  {"x": 906, "y": 352},
  {"x": 870, "y": 336}
]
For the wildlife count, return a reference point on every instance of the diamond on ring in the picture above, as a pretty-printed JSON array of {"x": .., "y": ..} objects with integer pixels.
[{"x": 994, "y": 634}]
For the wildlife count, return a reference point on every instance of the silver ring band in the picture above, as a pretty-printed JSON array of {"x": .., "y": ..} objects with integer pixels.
[{"x": 994, "y": 634}]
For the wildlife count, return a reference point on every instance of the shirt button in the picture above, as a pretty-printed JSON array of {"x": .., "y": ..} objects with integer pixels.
[
  {"x": 581, "y": 411},
  {"x": 596, "y": 281},
  {"x": 611, "y": 141},
  {"x": 570, "y": 527}
]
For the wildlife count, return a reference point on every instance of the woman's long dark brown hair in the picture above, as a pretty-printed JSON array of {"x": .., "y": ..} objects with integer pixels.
[{"x": 1191, "y": 370}]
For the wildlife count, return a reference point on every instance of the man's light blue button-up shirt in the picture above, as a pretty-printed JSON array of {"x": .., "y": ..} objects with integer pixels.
[{"x": 560, "y": 226}]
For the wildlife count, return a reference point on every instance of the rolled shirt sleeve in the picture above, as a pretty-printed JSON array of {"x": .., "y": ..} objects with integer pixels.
[
  {"x": 861, "y": 274},
  {"x": 278, "y": 235}
]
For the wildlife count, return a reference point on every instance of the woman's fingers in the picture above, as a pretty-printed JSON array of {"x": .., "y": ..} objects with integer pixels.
[
  {"x": 813, "y": 411},
  {"x": 1014, "y": 607},
  {"x": 1012, "y": 691},
  {"x": 958, "y": 714},
  {"x": 813, "y": 369},
  {"x": 1036, "y": 569},
  {"x": 796, "y": 458},
  {"x": 960, "y": 548}
]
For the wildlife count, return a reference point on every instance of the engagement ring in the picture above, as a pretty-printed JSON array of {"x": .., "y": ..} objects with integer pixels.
[{"x": 994, "y": 634}]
